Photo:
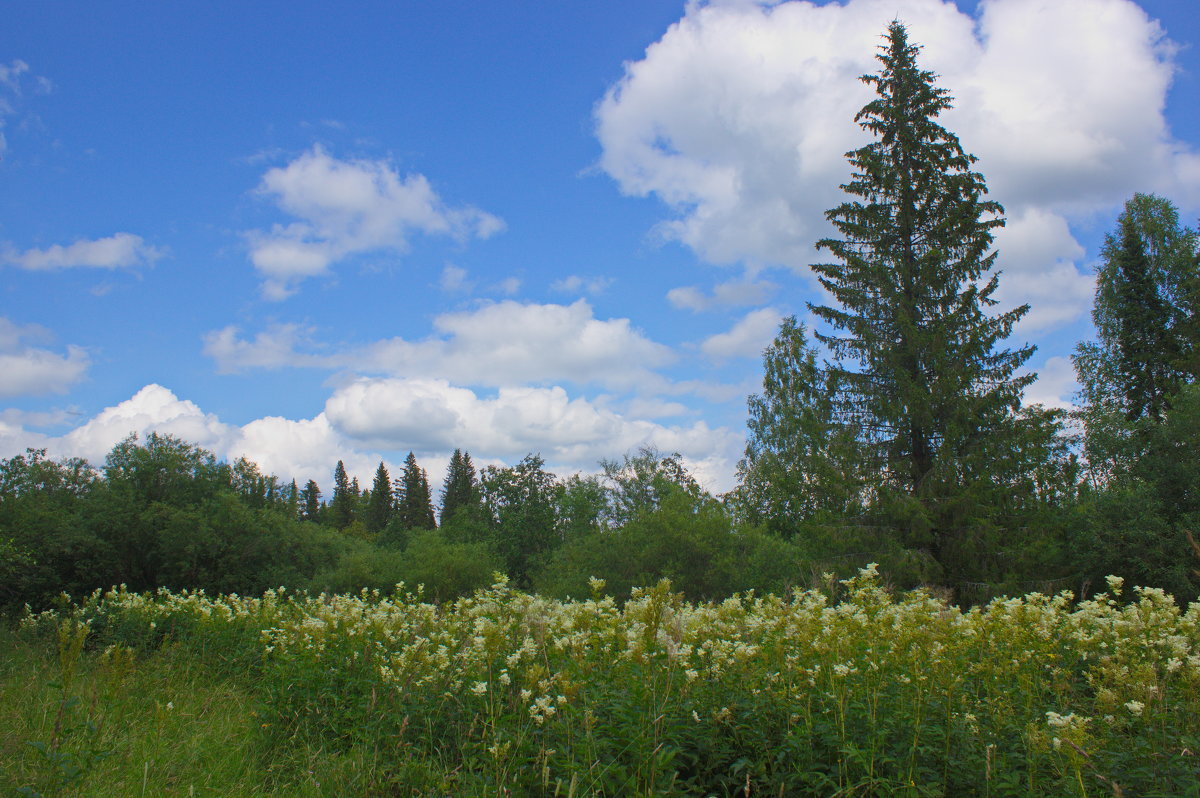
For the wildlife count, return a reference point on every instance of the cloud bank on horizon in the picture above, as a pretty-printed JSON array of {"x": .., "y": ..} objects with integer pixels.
[{"x": 737, "y": 121}]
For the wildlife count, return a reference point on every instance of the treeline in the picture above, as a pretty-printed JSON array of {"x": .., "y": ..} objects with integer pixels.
[{"x": 165, "y": 513}]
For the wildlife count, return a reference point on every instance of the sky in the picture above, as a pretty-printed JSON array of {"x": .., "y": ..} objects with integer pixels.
[{"x": 304, "y": 232}]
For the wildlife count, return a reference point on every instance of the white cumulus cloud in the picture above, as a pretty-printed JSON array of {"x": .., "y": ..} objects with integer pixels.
[
  {"x": 454, "y": 279},
  {"x": 498, "y": 344},
  {"x": 509, "y": 343},
  {"x": 578, "y": 284},
  {"x": 747, "y": 338},
  {"x": 342, "y": 208},
  {"x": 27, "y": 370},
  {"x": 118, "y": 251},
  {"x": 1056, "y": 384},
  {"x": 152, "y": 409},
  {"x": 1043, "y": 267},
  {"x": 277, "y": 346},
  {"x": 735, "y": 293}
]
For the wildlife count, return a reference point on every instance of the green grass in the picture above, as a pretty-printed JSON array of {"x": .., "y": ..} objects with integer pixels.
[{"x": 157, "y": 725}]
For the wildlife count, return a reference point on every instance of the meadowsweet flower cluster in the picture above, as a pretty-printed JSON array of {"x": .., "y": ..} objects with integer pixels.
[{"x": 658, "y": 694}]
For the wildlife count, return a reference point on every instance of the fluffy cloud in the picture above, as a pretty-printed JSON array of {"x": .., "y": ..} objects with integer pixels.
[
  {"x": 735, "y": 293},
  {"x": 1042, "y": 267},
  {"x": 27, "y": 370},
  {"x": 367, "y": 416},
  {"x": 344, "y": 208},
  {"x": 1056, "y": 384},
  {"x": 738, "y": 119},
  {"x": 433, "y": 415},
  {"x": 119, "y": 251},
  {"x": 510, "y": 343},
  {"x": 153, "y": 408},
  {"x": 1068, "y": 121},
  {"x": 747, "y": 338},
  {"x": 509, "y": 286},
  {"x": 500, "y": 344},
  {"x": 277, "y": 346},
  {"x": 303, "y": 449}
]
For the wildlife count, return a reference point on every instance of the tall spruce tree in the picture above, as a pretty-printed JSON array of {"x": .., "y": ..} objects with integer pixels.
[
  {"x": 341, "y": 507},
  {"x": 414, "y": 505},
  {"x": 380, "y": 505},
  {"x": 461, "y": 488},
  {"x": 915, "y": 352}
]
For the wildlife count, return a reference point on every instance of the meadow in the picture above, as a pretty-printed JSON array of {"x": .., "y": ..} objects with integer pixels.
[{"x": 847, "y": 690}]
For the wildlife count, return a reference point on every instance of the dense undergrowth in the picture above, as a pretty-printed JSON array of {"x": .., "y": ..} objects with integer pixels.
[{"x": 847, "y": 691}]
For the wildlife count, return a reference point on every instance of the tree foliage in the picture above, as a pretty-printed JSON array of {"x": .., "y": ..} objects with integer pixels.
[
  {"x": 801, "y": 466},
  {"x": 643, "y": 481},
  {"x": 414, "y": 504},
  {"x": 1140, "y": 402},
  {"x": 519, "y": 501},
  {"x": 342, "y": 509},
  {"x": 460, "y": 490},
  {"x": 310, "y": 502},
  {"x": 380, "y": 505}
]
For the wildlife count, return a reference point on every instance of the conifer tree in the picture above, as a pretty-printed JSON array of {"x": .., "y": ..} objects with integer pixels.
[
  {"x": 415, "y": 504},
  {"x": 344, "y": 498},
  {"x": 291, "y": 499},
  {"x": 461, "y": 488},
  {"x": 430, "y": 518},
  {"x": 914, "y": 351},
  {"x": 380, "y": 504},
  {"x": 310, "y": 502}
]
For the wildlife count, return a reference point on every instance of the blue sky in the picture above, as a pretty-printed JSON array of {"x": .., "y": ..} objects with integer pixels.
[{"x": 306, "y": 232}]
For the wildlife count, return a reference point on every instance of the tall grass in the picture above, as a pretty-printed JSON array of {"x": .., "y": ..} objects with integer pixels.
[{"x": 848, "y": 691}]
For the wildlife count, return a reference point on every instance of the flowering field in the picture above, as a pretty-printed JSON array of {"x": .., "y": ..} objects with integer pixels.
[{"x": 506, "y": 693}]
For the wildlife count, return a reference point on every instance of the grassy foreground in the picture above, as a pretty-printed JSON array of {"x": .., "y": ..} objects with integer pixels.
[{"x": 506, "y": 693}]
